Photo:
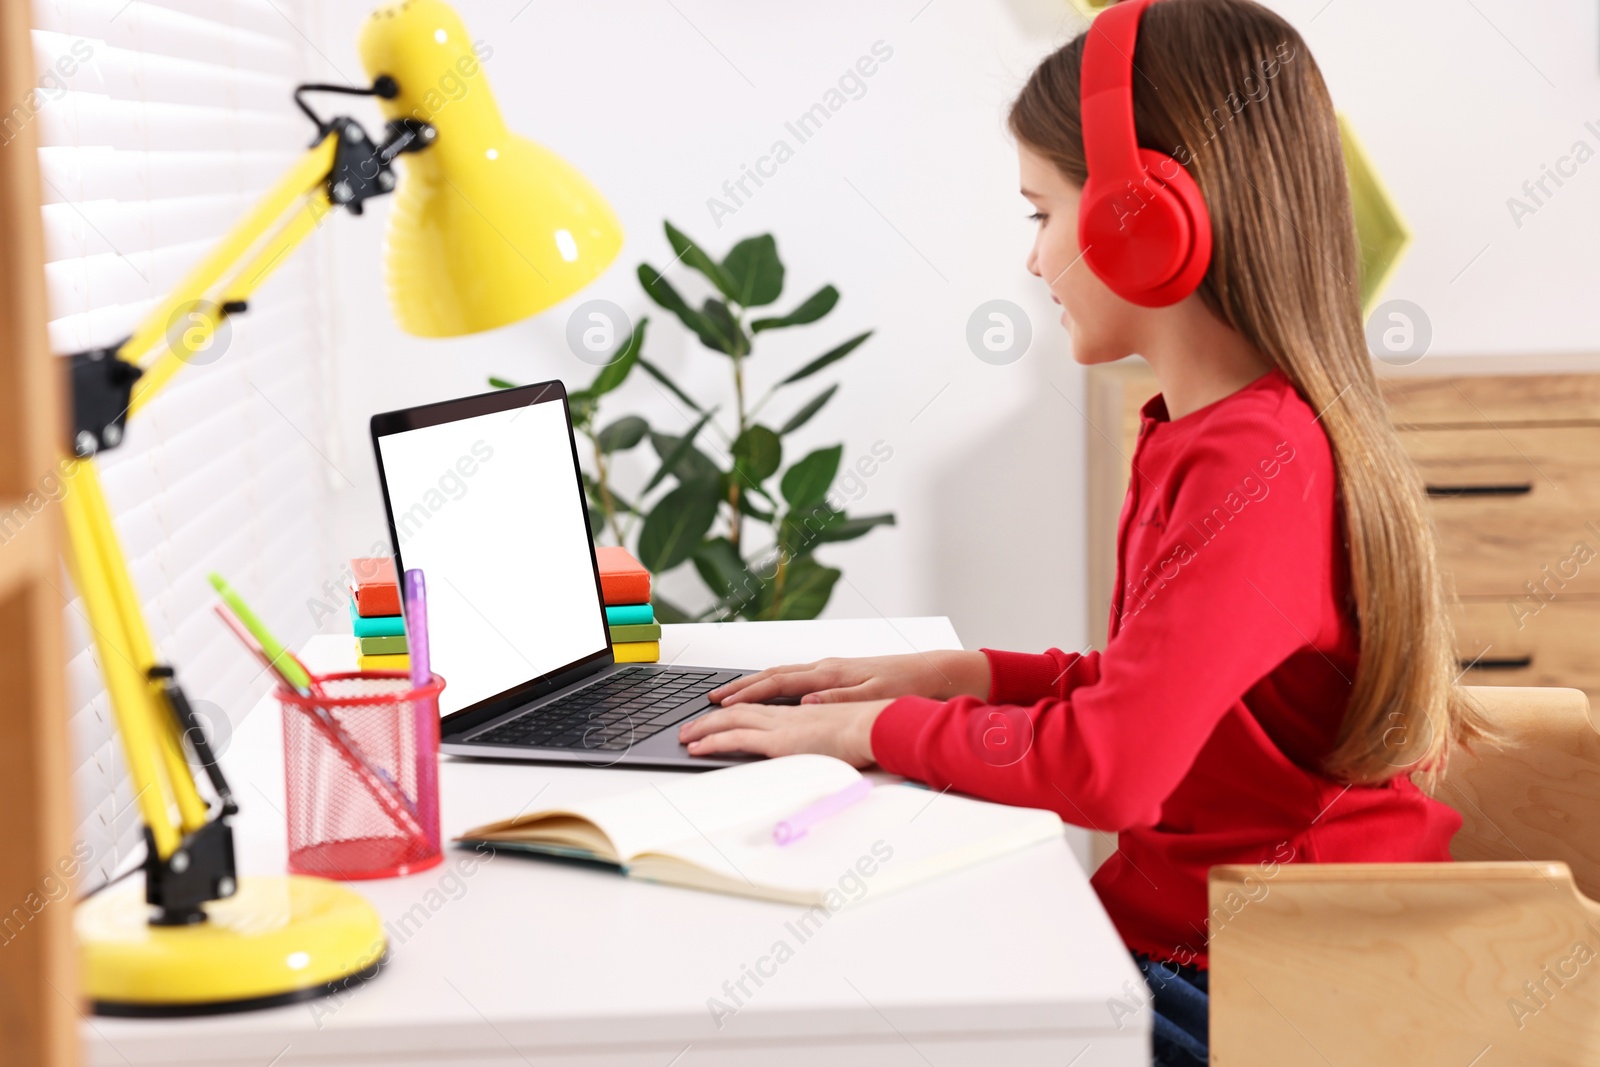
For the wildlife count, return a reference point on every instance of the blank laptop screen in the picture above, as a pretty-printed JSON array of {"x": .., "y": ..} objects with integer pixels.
[{"x": 489, "y": 509}]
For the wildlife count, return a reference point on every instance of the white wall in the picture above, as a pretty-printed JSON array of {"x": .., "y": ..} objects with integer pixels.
[{"x": 906, "y": 202}]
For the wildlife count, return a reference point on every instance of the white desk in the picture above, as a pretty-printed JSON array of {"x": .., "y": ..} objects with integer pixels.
[{"x": 530, "y": 962}]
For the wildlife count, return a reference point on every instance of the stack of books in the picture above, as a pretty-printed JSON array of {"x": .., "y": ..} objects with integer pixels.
[
  {"x": 625, "y": 587},
  {"x": 375, "y": 616}
]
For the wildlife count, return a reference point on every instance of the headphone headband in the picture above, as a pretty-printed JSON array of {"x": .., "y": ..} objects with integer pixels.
[{"x": 1106, "y": 95}]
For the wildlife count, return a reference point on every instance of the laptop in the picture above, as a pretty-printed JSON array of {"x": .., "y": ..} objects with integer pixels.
[{"x": 484, "y": 495}]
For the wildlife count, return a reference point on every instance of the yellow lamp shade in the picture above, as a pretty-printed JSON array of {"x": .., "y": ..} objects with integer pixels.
[{"x": 487, "y": 227}]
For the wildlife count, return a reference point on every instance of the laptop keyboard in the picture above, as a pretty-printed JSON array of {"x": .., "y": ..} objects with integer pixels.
[{"x": 609, "y": 716}]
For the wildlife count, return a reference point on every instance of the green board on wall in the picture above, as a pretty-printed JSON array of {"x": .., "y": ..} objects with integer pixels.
[{"x": 1380, "y": 230}]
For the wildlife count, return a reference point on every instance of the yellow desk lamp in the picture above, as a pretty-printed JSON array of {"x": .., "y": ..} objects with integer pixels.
[{"x": 487, "y": 229}]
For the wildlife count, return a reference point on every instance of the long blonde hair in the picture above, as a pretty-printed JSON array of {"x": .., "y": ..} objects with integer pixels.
[{"x": 1230, "y": 90}]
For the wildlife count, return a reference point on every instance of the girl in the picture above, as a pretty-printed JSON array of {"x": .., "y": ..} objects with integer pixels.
[{"x": 1279, "y": 658}]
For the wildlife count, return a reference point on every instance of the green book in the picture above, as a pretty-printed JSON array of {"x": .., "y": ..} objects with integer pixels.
[
  {"x": 645, "y": 631},
  {"x": 376, "y": 625},
  {"x": 629, "y": 614},
  {"x": 386, "y": 645}
]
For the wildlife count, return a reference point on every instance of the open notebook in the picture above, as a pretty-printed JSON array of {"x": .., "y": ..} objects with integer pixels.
[{"x": 714, "y": 831}]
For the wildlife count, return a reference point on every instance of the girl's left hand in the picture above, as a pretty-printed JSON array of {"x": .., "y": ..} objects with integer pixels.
[{"x": 843, "y": 730}]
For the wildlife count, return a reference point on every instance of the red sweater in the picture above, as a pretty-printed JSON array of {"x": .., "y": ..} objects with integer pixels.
[{"x": 1198, "y": 733}]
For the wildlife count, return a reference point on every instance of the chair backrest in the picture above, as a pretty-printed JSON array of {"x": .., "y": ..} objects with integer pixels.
[
  {"x": 1536, "y": 795},
  {"x": 1404, "y": 965},
  {"x": 1434, "y": 964}
]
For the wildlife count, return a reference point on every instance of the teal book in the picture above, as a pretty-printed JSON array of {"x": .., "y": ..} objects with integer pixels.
[
  {"x": 647, "y": 631},
  {"x": 377, "y": 625},
  {"x": 391, "y": 645},
  {"x": 629, "y": 615}
]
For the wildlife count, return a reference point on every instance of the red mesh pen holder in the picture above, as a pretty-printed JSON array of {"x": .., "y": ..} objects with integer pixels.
[{"x": 361, "y": 775}]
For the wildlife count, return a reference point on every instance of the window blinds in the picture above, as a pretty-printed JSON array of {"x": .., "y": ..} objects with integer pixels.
[{"x": 159, "y": 122}]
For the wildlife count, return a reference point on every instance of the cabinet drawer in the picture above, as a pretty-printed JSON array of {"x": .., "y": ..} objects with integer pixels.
[
  {"x": 1514, "y": 505},
  {"x": 1472, "y": 396},
  {"x": 1519, "y": 642}
]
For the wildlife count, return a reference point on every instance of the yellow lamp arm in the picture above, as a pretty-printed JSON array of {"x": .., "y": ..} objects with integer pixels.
[
  {"x": 303, "y": 181},
  {"x": 168, "y": 798},
  {"x": 149, "y": 735}
]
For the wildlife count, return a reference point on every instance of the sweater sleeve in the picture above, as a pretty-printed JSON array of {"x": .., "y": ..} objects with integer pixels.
[
  {"x": 1239, "y": 581},
  {"x": 1023, "y": 677}
]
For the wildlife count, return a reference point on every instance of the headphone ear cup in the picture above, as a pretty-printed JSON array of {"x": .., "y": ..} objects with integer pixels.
[
  {"x": 1180, "y": 184},
  {"x": 1149, "y": 241}
]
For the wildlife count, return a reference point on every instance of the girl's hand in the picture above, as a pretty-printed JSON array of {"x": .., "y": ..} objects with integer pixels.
[
  {"x": 940, "y": 675},
  {"x": 841, "y": 730}
]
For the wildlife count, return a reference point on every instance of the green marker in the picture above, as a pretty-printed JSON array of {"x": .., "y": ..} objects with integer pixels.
[{"x": 276, "y": 654}]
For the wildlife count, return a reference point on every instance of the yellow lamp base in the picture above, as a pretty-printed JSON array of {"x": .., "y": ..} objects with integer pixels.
[{"x": 278, "y": 940}]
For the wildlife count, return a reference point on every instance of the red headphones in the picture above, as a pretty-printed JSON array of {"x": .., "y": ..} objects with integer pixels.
[{"x": 1142, "y": 223}]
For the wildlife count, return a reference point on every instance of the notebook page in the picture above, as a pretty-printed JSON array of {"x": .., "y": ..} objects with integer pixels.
[
  {"x": 691, "y": 807},
  {"x": 898, "y": 835}
]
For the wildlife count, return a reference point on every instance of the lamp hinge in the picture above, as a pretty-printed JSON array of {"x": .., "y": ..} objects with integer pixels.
[{"x": 102, "y": 390}]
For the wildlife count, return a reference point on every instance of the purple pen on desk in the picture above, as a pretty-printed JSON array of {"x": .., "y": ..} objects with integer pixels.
[{"x": 795, "y": 826}]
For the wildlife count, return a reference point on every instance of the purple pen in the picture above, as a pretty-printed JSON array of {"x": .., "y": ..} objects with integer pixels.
[
  {"x": 417, "y": 628},
  {"x": 795, "y": 826},
  {"x": 425, "y": 712}
]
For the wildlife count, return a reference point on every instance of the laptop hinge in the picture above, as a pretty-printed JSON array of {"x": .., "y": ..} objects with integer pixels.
[{"x": 471, "y": 720}]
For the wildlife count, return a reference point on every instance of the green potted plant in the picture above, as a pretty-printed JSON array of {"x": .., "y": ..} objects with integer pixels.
[{"x": 748, "y": 523}]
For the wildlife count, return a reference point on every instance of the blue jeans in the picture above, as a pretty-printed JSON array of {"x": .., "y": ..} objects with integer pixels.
[{"x": 1181, "y": 996}]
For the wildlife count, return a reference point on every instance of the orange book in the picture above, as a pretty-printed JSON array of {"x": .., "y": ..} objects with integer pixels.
[
  {"x": 623, "y": 579},
  {"x": 374, "y": 586}
]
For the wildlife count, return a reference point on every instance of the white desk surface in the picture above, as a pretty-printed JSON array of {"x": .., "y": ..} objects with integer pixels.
[{"x": 523, "y": 961}]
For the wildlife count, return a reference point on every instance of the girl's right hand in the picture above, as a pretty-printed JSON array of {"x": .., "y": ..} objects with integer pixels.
[{"x": 940, "y": 675}]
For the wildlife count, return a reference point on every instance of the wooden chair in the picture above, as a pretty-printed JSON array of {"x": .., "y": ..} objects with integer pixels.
[{"x": 1492, "y": 960}]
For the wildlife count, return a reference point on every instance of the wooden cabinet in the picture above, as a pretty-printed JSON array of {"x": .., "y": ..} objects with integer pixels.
[{"x": 1509, "y": 448}]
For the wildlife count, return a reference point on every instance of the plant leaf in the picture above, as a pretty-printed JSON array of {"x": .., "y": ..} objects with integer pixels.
[
  {"x": 807, "y": 585},
  {"x": 726, "y": 575},
  {"x": 848, "y": 529},
  {"x": 747, "y": 497},
  {"x": 613, "y": 373},
  {"x": 730, "y": 336},
  {"x": 803, "y": 416},
  {"x": 833, "y": 355},
  {"x": 661, "y": 291},
  {"x": 582, "y": 404},
  {"x": 618, "y": 502},
  {"x": 747, "y": 504},
  {"x": 811, "y": 309},
  {"x": 757, "y": 455},
  {"x": 807, "y": 482},
  {"x": 679, "y": 456},
  {"x": 623, "y": 434},
  {"x": 801, "y": 530},
  {"x": 500, "y": 383},
  {"x": 676, "y": 525},
  {"x": 661, "y": 376},
  {"x": 757, "y": 272},
  {"x": 692, "y": 254}
]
